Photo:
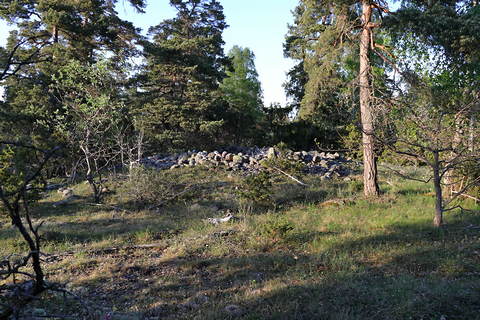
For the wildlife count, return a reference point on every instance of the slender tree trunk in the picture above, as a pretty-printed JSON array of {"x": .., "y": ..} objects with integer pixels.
[
  {"x": 438, "y": 220},
  {"x": 90, "y": 177},
  {"x": 55, "y": 34},
  {"x": 370, "y": 184},
  {"x": 452, "y": 177},
  {"x": 34, "y": 251}
]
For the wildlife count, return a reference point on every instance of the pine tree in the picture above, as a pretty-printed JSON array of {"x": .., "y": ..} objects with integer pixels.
[
  {"x": 320, "y": 84},
  {"x": 49, "y": 34},
  {"x": 185, "y": 65},
  {"x": 334, "y": 41}
]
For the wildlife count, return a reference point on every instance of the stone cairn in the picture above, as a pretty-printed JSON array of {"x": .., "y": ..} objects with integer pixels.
[{"x": 249, "y": 160}]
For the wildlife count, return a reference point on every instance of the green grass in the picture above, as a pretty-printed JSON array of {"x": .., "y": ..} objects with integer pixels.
[{"x": 302, "y": 258}]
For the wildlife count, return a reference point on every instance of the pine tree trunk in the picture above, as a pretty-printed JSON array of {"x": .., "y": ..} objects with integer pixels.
[{"x": 370, "y": 184}]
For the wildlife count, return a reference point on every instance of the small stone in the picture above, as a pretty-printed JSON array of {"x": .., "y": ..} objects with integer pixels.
[
  {"x": 37, "y": 312},
  {"x": 234, "y": 310},
  {"x": 237, "y": 159},
  {"x": 271, "y": 153},
  {"x": 324, "y": 163},
  {"x": 68, "y": 192},
  {"x": 195, "y": 207}
]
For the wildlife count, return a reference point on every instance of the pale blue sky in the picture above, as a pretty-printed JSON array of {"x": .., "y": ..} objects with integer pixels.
[{"x": 257, "y": 24}]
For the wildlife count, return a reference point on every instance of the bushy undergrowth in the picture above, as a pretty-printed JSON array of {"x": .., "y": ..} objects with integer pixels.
[
  {"x": 256, "y": 190},
  {"x": 146, "y": 187},
  {"x": 309, "y": 258}
]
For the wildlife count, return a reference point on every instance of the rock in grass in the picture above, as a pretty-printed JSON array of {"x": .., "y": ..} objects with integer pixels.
[
  {"x": 125, "y": 317},
  {"x": 66, "y": 192},
  {"x": 271, "y": 153},
  {"x": 237, "y": 159},
  {"x": 234, "y": 310}
]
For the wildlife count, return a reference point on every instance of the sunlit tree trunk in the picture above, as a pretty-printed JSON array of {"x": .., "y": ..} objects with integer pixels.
[{"x": 369, "y": 161}]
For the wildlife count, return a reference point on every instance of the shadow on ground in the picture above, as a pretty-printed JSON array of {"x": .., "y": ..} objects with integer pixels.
[{"x": 429, "y": 274}]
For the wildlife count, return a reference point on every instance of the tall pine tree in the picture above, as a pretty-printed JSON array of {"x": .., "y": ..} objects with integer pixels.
[
  {"x": 184, "y": 67},
  {"x": 334, "y": 40}
]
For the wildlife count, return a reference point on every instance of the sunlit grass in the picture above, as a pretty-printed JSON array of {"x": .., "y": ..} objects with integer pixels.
[{"x": 303, "y": 258}]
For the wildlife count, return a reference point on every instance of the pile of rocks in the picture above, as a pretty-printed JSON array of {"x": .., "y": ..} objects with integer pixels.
[{"x": 250, "y": 159}]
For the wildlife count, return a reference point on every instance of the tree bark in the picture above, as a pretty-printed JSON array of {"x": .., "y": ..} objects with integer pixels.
[
  {"x": 438, "y": 220},
  {"x": 370, "y": 179}
]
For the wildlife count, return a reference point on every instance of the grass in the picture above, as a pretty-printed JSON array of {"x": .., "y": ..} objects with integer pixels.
[{"x": 302, "y": 258}]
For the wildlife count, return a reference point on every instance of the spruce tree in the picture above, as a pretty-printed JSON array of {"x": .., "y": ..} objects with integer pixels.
[{"x": 185, "y": 65}]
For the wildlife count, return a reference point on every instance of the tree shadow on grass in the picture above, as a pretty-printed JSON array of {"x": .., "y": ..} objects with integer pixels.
[
  {"x": 437, "y": 274},
  {"x": 412, "y": 271}
]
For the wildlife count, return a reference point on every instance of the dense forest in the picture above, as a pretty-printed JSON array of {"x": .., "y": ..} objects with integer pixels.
[{"x": 85, "y": 95}]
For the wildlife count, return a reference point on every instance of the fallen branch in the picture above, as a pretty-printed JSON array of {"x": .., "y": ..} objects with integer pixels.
[
  {"x": 227, "y": 218},
  {"x": 53, "y": 257},
  {"x": 468, "y": 196},
  {"x": 116, "y": 208},
  {"x": 64, "y": 201},
  {"x": 291, "y": 177}
]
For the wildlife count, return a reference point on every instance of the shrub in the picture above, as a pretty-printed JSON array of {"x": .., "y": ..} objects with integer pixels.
[
  {"x": 276, "y": 229},
  {"x": 149, "y": 187},
  {"x": 256, "y": 189}
]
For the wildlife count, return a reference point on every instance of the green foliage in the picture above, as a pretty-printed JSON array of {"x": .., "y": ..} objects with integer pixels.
[
  {"x": 256, "y": 189},
  {"x": 276, "y": 228},
  {"x": 321, "y": 84},
  {"x": 10, "y": 177},
  {"x": 181, "y": 103},
  {"x": 89, "y": 106},
  {"x": 149, "y": 187},
  {"x": 92, "y": 118},
  {"x": 241, "y": 89},
  {"x": 47, "y": 35},
  {"x": 16, "y": 164}
]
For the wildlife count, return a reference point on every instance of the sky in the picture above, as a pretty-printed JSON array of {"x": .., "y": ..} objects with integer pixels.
[
  {"x": 260, "y": 25},
  {"x": 257, "y": 24}
]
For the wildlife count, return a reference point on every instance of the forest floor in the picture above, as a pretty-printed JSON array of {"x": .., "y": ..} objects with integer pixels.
[{"x": 317, "y": 252}]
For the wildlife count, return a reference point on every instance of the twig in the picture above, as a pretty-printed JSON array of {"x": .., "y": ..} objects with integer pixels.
[
  {"x": 291, "y": 177},
  {"x": 468, "y": 196},
  {"x": 107, "y": 250},
  {"x": 109, "y": 206},
  {"x": 188, "y": 188}
]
